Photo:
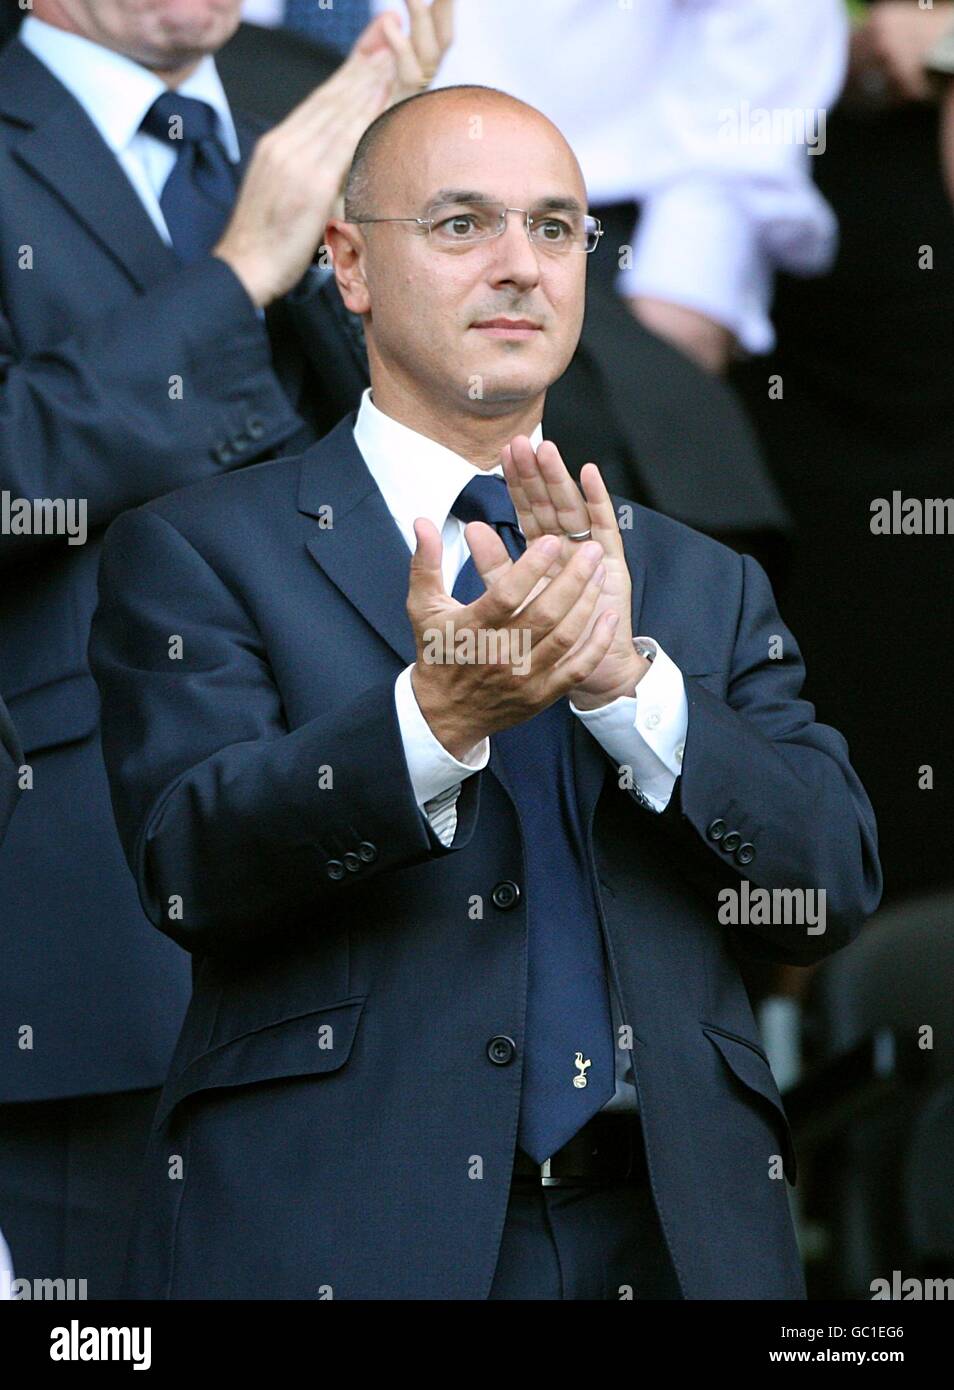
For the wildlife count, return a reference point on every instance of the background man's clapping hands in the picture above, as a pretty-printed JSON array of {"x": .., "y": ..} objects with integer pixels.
[
  {"x": 416, "y": 56},
  {"x": 294, "y": 180}
]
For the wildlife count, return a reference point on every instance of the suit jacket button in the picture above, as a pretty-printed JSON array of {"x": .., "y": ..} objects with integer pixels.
[
  {"x": 501, "y": 1050},
  {"x": 335, "y": 869},
  {"x": 745, "y": 853},
  {"x": 505, "y": 895},
  {"x": 367, "y": 851},
  {"x": 731, "y": 841},
  {"x": 716, "y": 830},
  {"x": 351, "y": 862}
]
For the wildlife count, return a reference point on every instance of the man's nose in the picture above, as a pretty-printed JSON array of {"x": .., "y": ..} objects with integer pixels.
[{"x": 515, "y": 258}]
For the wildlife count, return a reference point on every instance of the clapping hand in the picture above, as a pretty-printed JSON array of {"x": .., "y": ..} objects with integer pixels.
[{"x": 548, "y": 502}]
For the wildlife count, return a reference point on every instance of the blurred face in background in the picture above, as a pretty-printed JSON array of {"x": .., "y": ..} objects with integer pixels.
[
  {"x": 161, "y": 34},
  {"x": 429, "y": 311}
]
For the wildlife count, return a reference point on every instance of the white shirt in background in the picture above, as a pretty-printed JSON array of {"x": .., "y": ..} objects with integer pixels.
[{"x": 660, "y": 100}]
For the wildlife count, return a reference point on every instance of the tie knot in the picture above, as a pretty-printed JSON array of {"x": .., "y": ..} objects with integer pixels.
[
  {"x": 486, "y": 498},
  {"x": 180, "y": 120}
]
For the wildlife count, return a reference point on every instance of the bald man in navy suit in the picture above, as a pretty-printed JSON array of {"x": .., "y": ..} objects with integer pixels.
[{"x": 456, "y": 781}]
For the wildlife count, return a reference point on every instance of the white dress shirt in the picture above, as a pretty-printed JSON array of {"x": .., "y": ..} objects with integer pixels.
[
  {"x": 653, "y": 96},
  {"x": 418, "y": 477},
  {"x": 116, "y": 93}
]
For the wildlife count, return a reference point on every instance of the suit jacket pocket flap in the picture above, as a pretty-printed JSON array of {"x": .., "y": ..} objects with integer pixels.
[
  {"x": 751, "y": 1066},
  {"x": 315, "y": 1042}
]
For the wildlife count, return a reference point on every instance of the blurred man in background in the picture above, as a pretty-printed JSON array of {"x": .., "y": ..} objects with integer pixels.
[
  {"x": 148, "y": 338},
  {"x": 856, "y": 403}
]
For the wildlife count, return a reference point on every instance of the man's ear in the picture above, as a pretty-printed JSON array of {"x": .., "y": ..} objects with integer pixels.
[{"x": 346, "y": 244}]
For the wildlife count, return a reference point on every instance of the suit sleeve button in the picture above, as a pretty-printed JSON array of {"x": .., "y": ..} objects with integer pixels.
[
  {"x": 716, "y": 830},
  {"x": 367, "y": 851},
  {"x": 505, "y": 895},
  {"x": 222, "y": 453},
  {"x": 351, "y": 862},
  {"x": 335, "y": 869},
  {"x": 255, "y": 426},
  {"x": 731, "y": 842},
  {"x": 501, "y": 1050},
  {"x": 745, "y": 853}
]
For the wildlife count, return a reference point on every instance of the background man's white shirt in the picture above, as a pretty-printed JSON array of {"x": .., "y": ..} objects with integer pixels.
[{"x": 652, "y": 96}]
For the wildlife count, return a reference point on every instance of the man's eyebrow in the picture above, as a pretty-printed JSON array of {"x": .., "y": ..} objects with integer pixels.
[
  {"x": 558, "y": 204},
  {"x": 554, "y": 203},
  {"x": 460, "y": 195}
]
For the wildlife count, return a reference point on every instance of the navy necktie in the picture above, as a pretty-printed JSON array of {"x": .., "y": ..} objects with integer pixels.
[
  {"x": 199, "y": 193},
  {"x": 569, "y": 1028},
  {"x": 336, "y": 25}
]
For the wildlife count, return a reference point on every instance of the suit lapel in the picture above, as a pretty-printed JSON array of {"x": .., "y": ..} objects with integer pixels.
[
  {"x": 63, "y": 149},
  {"x": 362, "y": 552}
]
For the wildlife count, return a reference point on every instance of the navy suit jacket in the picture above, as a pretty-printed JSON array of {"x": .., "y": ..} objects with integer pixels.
[
  {"x": 96, "y": 316},
  {"x": 339, "y": 1113},
  {"x": 11, "y": 758}
]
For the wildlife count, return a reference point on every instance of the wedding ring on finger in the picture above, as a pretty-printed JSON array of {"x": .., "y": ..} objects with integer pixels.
[{"x": 577, "y": 535}]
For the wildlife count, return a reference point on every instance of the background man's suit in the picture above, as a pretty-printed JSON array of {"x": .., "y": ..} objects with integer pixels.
[
  {"x": 346, "y": 1158},
  {"x": 90, "y": 335}
]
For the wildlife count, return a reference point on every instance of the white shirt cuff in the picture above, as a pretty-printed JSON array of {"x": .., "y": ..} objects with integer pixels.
[
  {"x": 696, "y": 246},
  {"x": 435, "y": 773},
  {"x": 646, "y": 731}
]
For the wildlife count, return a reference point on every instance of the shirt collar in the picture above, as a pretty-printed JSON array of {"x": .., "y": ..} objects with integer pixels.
[
  {"x": 416, "y": 475},
  {"x": 116, "y": 92}
]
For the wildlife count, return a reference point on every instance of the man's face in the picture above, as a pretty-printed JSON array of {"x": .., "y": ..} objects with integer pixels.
[
  {"x": 429, "y": 307},
  {"x": 160, "y": 34}
]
